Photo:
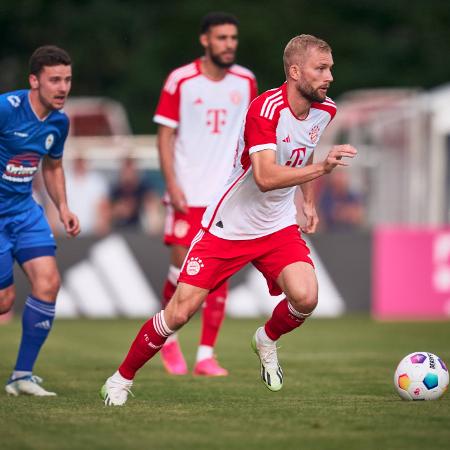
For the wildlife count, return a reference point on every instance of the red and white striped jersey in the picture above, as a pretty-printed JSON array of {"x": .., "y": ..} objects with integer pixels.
[
  {"x": 208, "y": 115},
  {"x": 241, "y": 210}
]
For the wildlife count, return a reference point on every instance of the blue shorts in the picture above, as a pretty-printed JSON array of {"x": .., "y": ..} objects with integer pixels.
[{"x": 23, "y": 237}]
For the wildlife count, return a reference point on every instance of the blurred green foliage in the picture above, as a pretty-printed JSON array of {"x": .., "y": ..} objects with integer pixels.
[{"x": 124, "y": 49}]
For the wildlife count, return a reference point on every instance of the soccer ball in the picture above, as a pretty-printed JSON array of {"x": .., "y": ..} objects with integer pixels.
[{"x": 421, "y": 376}]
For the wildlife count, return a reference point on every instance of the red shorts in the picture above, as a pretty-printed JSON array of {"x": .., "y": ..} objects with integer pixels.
[
  {"x": 181, "y": 228},
  {"x": 212, "y": 260}
]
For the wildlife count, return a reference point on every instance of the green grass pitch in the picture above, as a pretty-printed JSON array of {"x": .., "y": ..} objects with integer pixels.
[{"x": 338, "y": 391}]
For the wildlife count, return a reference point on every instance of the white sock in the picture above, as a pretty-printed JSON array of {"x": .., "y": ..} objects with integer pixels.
[
  {"x": 204, "y": 352},
  {"x": 120, "y": 379},
  {"x": 262, "y": 337},
  {"x": 20, "y": 373}
]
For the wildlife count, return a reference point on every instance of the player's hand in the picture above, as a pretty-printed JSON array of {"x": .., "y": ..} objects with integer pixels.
[
  {"x": 312, "y": 219},
  {"x": 177, "y": 198},
  {"x": 70, "y": 222},
  {"x": 335, "y": 156}
]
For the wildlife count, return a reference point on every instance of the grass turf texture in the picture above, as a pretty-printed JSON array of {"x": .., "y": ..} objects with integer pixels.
[{"x": 338, "y": 391}]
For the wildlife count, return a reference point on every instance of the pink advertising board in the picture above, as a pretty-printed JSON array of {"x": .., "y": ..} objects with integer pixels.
[{"x": 411, "y": 273}]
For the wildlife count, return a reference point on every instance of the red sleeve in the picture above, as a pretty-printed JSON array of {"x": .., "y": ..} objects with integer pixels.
[
  {"x": 260, "y": 132},
  {"x": 168, "y": 109}
]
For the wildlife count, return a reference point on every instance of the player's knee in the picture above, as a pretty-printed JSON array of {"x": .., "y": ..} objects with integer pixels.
[
  {"x": 304, "y": 300},
  {"x": 48, "y": 286},
  {"x": 181, "y": 314},
  {"x": 180, "y": 317},
  {"x": 7, "y": 297},
  {"x": 182, "y": 308}
]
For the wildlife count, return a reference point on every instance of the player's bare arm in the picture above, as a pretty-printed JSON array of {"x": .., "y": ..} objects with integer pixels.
[
  {"x": 309, "y": 207},
  {"x": 166, "y": 137},
  {"x": 53, "y": 173},
  {"x": 270, "y": 175}
]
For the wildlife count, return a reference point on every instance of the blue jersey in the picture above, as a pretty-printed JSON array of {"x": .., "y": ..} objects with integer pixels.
[{"x": 24, "y": 140}]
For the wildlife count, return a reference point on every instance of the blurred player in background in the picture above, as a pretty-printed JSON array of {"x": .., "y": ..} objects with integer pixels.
[
  {"x": 253, "y": 219},
  {"x": 33, "y": 128},
  {"x": 200, "y": 112}
]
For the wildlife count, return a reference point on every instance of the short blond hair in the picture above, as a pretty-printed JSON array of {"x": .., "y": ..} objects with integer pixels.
[{"x": 298, "y": 46}]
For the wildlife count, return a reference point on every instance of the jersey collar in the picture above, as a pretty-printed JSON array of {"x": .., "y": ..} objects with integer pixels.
[{"x": 30, "y": 106}]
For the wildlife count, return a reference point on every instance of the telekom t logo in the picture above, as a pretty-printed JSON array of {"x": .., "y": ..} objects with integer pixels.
[
  {"x": 297, "y": 157},
  {"x": 216, "y": 118}
]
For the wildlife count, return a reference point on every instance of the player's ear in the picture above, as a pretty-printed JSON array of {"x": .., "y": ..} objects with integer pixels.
[
  {"x": 294, "y": 72},
  {"x": 204, "y": 40},
  {"x": 34, "y": 81}
]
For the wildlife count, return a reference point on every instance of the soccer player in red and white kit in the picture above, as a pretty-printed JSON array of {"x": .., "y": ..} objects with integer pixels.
[
  {"x": 199, "y": 114},
  {"x": 253, "y": 219}
]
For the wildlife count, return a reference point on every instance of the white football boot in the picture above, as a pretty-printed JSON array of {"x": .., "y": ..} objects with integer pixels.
[
  {"x": 28, "y": 385},
  {"x": 271, "y": 372},
  {"x": 115, "y": 392}
]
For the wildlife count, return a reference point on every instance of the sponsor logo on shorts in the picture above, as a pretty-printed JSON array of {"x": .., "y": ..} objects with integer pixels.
[
  {"x": 181, "y": 228},
  {"x": 194, "y": 265}
]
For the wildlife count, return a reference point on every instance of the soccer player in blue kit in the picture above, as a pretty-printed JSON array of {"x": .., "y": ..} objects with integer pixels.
[{"x": 33, "y": 128}]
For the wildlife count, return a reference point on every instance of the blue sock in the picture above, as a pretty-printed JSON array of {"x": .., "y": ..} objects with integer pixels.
[{"x": 37, "y": 322}]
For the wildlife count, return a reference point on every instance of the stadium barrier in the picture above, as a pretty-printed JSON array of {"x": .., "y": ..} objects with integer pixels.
[
  {"x": 122, "y": 276},
  {"x": 411, "y": 273}
]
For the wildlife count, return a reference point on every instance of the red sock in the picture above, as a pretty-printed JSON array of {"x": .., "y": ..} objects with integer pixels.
[
  {"x": 213, "y": 315},
  {"x": 147, "y": 343},
  {"x": 284, "y": 319},
  {"x": 168, "y": 291}
]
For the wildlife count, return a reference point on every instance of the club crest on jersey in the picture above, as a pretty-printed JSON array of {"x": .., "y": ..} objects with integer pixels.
[
  {"x": 194, "y": 265},
  {"x": 314, "y": 133},
  {"x": 235, "y": 97},
  {"x": 49, "y": 141},
  {"x": 181, "y": 228}
]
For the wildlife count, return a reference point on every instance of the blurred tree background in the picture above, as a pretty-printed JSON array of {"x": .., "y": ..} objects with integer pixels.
[{"x": 124, "y": 49}]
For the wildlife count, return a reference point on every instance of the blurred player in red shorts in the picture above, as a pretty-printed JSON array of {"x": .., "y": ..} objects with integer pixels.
[
  {"x": 199, "y": 114},
  {"x": 253, "y": 218}
]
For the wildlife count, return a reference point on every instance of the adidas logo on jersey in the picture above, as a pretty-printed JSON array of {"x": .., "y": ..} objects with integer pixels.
[
  {"x": 199, "y": 101},
  {"x": 45, "y": 325},
  {"x": 287, "y": 138}
]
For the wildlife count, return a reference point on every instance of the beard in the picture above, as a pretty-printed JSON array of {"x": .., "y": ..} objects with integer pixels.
[
  {"x": 47, "y": 104},
  {"x": 219, "y": 62},
  {"x": 312, "y": 95}
]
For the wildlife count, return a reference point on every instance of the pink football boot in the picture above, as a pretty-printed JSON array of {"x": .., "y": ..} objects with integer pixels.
[
  {"x": 173, "y": 359},
  {"x": 209, "y": 367}
]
